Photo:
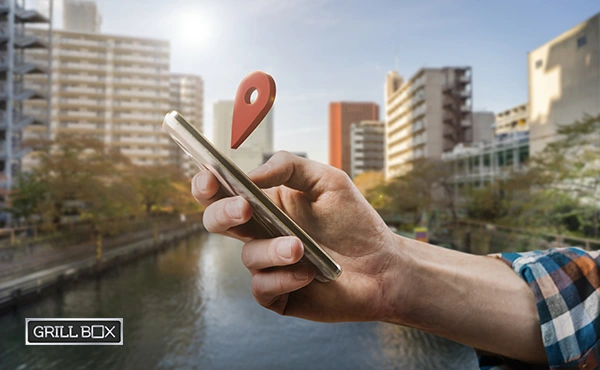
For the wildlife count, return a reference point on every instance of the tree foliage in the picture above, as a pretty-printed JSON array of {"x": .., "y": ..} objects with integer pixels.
[{"x": 81, "y": 177}]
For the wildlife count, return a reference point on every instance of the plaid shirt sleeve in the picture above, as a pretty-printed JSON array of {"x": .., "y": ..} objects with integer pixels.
[{"x": 566, "y": 286}]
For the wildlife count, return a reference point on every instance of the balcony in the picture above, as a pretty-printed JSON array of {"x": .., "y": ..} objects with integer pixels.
[
  {"x": 30, "y": 42},
  {"x": 29, "y": 16}
]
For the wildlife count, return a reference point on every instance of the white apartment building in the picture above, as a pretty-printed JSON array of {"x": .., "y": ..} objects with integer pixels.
[
  {"x": 367, "y": 147},
  {"x": 250, "y": 154},
  {"x": 426, "y": 115},
  {"x": 564, "y": 81},
  {"x": 114, "y": 88},
  {"x": 512, "y": 121},
  {"x": 187, "y": 97},
  {"x": 81, "y": 16}
]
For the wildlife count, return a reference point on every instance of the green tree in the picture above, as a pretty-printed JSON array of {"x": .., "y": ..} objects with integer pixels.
[{"x": 27, "y": 195}]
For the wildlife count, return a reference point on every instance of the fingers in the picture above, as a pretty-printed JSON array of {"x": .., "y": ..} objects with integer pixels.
[
  {"x": 295, "y": 172},
  {"x": 226, "y": 213},
  {"x": 206, "y": 188},
  {"x": 265, "y": 253},
  {"x": 269, "y": 285}
]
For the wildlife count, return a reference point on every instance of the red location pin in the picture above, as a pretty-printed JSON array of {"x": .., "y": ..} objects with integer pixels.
[{"x": 246, "y": 114}]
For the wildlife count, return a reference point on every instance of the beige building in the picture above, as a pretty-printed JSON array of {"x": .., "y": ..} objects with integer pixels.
[
  {"x": 81, "y": 16},
  {"x": 426, "y": 115},
  {"x": 250, "y": 154},
  {"x": 187, "y": 96},
  {"x": 564, "y": 81},
  {"x": 513, "y": 120},
  {"x": 367, "y": 147},
  {"x": 114, "y": 88}
]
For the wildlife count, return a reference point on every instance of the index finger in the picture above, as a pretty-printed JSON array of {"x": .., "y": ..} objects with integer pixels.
[{"x": 310, "y": 177}]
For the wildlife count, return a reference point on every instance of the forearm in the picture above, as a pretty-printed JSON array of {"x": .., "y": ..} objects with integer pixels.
[{"x": 475, "y": 300}]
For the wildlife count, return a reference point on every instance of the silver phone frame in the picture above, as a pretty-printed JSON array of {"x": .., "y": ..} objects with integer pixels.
[{"x": 235, "y": 182}]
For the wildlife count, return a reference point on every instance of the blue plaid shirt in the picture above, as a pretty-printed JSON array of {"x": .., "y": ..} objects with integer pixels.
[{"x": 566, "y": 286}]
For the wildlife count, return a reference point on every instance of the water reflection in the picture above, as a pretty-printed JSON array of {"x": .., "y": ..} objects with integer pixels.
[{"x": 191, "y": 307}]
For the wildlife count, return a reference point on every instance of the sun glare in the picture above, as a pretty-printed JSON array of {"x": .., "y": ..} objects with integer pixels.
[{"x": 193, "y": 30}]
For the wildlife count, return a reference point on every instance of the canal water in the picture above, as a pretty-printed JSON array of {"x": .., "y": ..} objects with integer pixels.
[{"x": 191, "y": 308}]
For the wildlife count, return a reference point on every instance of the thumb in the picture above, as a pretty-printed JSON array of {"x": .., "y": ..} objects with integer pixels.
[{"x": 295, "y": 172}]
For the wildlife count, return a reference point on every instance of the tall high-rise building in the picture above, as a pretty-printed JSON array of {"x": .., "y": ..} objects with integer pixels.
[
  {"x": 425, "y": 116},
  {"x": 341, "y": 116},
  {"x": 81, "y": 16},
  {"x": 113, "y": 88},
  {"x": 187, "y": 97},
  {"x": 564, "y": 81},
  {"x": 250, "y": 154},
  {"x": 367, "y": 147},
  {"x": 16, "y": 40}
]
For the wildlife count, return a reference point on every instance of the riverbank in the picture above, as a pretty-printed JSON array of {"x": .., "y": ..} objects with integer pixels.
[{"x": 21, "y": 288}]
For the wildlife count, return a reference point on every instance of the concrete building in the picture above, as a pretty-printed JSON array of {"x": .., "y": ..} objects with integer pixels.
[
  {"x": 341, "y": 116},
  {"x": 367, "y": 147},
  {"x": 512, "y": 121},
  {"x": 250, "y": 154},
  {"x": 16, "y": 41},
  {"x": 564, "y": 81},
  {"x": 426, "y": 115},
  {"x": 476, "y": 165},
  {"x": 113, "y": 88},
  {"x": 483, "y": 126},
  {"x": 187, "y": 96},
  {"x": 81, "y": 16}
]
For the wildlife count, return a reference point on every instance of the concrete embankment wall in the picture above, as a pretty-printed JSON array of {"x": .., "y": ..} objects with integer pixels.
[{"x": 26, "y": 287}]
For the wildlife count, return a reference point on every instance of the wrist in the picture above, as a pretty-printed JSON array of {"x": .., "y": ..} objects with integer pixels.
[{"x": 399, "y": 287}]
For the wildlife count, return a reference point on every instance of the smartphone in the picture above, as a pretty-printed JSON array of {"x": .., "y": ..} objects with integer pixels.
[{"x": 235, "y": 182}]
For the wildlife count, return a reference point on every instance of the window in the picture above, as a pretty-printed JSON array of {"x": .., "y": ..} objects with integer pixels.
[
  {"x": 581, "y": 41},
  {"x": 538, "y": 63}
]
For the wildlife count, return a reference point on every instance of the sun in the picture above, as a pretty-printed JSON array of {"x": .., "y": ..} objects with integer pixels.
[{"x": 193, "y": 30}]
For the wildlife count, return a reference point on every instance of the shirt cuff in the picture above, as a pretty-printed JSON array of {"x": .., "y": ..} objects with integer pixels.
[{"x": 565, "y": 283}]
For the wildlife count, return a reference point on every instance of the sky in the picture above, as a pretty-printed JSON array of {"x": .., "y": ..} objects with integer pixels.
[{"x": 319, "y": 51}]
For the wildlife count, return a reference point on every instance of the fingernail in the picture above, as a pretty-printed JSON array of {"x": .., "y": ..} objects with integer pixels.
[
  {"x": 284, "y": 249},
  {"x": 301, "y": 274},
  {"x": 200, "y": 180},
  {"x": 259, "y": 170},
  {"x": 234, "y": 209}
]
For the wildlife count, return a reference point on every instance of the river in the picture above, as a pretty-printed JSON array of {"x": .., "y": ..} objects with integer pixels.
[{"x": 191, "y": 307}]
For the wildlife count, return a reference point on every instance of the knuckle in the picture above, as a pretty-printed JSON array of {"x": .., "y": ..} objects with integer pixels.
[
  {"x": 257, "y": 289},
  {"x": 339, "y": 178},
  {"x": 281, "y": 155},
  {"x": 280, "y": 284}
]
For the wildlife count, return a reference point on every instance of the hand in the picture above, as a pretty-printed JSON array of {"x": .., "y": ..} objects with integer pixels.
[
  {"x": 326, "y": 204},
  {"x": 470, "y": 299}
]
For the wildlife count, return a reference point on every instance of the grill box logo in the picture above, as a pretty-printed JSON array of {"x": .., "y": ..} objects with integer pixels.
[{"x": 74, "y": 332}]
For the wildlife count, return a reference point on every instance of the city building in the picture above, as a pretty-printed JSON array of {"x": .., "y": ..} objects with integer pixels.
[
  {"x": 187, "y": 97},
  {"x": 16, "y": 40},
  {"x": 267, "y": 156},
  {"x": 250, "y": 154},
  {"x": 564, "y": 81},
  {"x": 477, "y": 165},
  {"x": 513, "y": 121},
  {"x": 367, "y": 147},
  {"x": 341, "y": 116},
  {"x": 427, "y": 115},
  {"x": 81, "y": 16},
  {"x": 483, "y": 126},
  {"x": 114, "y": 88}
]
